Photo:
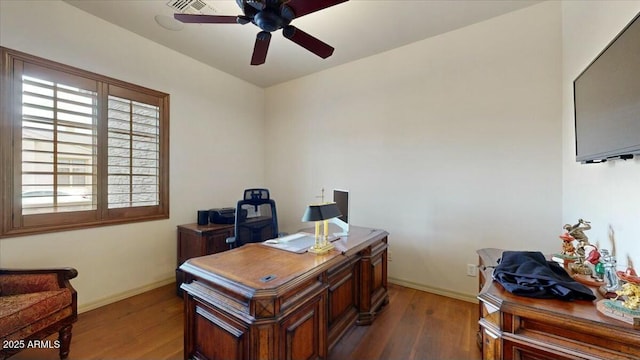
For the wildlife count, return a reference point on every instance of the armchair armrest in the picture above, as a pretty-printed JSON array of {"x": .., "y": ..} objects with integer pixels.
[{"x": 22, "y": 281}]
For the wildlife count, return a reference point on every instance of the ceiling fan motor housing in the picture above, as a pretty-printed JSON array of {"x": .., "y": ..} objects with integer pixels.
[{"x": 271, "y": 20}]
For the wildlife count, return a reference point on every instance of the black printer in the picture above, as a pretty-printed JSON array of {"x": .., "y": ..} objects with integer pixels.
[{"x": 222, "y": 216}]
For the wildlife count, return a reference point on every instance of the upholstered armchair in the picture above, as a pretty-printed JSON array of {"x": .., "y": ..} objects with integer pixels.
[{"x": 35, "y": 304}]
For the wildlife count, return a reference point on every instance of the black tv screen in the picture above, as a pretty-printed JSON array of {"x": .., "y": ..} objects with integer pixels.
[{"x": 607, "y": 101}]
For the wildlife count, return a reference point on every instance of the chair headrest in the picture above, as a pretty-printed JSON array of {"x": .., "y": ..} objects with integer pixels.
[{"x": 256, "y": 194}]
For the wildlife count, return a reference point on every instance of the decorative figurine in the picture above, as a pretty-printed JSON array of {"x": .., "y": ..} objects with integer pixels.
[
  {"x": 625, "y": 303},
  {"x": 620, "y": 310},
  {"x": 592, "y": 260},
  {"x": 580, "y": 266},
  {"x": 567, "y": 244},
  {"x": 568, "y": 254},
  {"x": 612, "y": 283},
  {"x": 629, "y": 275},
  {"x": 631, "y": 292},
  {"x": 577, "y": 230}
]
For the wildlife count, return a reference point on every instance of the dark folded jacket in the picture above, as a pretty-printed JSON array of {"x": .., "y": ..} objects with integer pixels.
[{"x": 528, "y": 273}]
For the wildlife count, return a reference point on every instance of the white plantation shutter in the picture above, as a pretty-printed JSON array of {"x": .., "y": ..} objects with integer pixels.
[
  {"x": 134, "y": 153},
  {"x": 58, "y": 142}
]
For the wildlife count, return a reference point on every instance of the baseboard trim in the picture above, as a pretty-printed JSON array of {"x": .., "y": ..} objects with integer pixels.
[
  {"x": 434, "y": 290},
  {"x": 123, "y": 295},
  {"x": 139, "y": 290}
]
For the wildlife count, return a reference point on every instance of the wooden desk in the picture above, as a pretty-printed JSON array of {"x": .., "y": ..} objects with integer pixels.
[
  {"x": 258, "y": 302},
  {"x": 516, "y": 327}
]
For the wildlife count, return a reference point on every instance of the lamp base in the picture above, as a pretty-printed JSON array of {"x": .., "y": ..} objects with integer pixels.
[{"x": 321, "y": 248}]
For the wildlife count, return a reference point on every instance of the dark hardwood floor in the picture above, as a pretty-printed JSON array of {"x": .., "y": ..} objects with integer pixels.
[{"x": 415, "y": 325}]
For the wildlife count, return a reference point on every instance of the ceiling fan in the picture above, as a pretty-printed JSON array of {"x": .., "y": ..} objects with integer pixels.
[{"x": 269, "y": 16}]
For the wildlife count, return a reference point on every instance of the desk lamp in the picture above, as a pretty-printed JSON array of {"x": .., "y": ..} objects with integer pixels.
[{"x": 321, "y": 214}]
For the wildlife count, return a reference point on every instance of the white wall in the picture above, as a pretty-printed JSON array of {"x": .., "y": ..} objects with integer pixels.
[
  {"x": 210, "y": 110},
  {"x": 607, "y": 194},
  {"x": 451, "y": 144}
]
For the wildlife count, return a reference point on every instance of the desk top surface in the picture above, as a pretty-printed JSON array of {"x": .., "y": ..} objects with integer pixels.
[
  {"x": 261, "y": 267},
  {"x": 258, "y": 266}
]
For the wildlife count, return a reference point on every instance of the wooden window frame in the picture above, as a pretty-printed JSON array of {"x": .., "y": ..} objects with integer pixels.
[{"x": 12, "y": 221}]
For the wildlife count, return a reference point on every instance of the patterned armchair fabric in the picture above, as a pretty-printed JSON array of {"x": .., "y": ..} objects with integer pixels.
[{"x": 35, "y": 304}]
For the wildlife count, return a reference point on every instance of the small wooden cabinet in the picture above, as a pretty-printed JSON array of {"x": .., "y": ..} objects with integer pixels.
[
  {"x": 516, "y": 327},
  {"x": 198, "y": 240}
]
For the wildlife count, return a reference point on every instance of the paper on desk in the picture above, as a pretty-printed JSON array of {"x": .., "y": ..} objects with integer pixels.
[
  {"x": 298, "y": 242},
  {"x": 293, "y": 237},
  {"x": 300, "y": 235}
]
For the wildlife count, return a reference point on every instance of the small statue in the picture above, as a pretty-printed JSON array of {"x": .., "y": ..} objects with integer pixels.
[
  {"x": 584, "y": 252},
  {"x": 631, "y": 292},
  {"x": 577, "y": 230},
  {"x": 591, "y": 261},
  {"x": 567, "y": 244},
  {"x": 610, "y": 276}
]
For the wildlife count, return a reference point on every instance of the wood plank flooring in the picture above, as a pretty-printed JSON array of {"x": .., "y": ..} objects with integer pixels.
[{"x": 415, "y": 325}]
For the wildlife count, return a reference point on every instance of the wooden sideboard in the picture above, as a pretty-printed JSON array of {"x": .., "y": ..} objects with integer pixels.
[
  {"x": 516, "y": 327},
  {"x": 198, "y": 240},
  {"x": 259, "y": 302}
]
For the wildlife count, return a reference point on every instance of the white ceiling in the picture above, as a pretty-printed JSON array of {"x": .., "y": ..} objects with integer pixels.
[{"x": 356, "y": 29}]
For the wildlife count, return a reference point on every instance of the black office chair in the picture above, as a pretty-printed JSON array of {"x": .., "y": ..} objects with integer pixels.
[{"x": 256, "y": 218}]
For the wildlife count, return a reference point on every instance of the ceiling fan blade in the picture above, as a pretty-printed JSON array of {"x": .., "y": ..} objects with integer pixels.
[
  {"x": 307, "y": 41},
  {"x": 260, "y": 48},
  {"x": 304, "y": 7},
  {"x": 206, "y": 19}
]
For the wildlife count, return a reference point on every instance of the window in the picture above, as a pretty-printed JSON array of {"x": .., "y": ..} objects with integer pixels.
[
  {"x": 81, "y": 149},
  {"x": 74, "y": 171}
]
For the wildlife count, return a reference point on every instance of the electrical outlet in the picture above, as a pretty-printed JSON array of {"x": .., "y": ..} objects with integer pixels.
[
  {"x": 389, "y": 256},
  {"x": 472, "y": 270}
]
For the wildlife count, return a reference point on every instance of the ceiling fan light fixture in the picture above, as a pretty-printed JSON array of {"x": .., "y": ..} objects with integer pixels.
[{"x": 169, "y": 22}]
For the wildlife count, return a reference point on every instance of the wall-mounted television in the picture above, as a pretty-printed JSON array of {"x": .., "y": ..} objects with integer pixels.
[{"x": 607, "y": 101}]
